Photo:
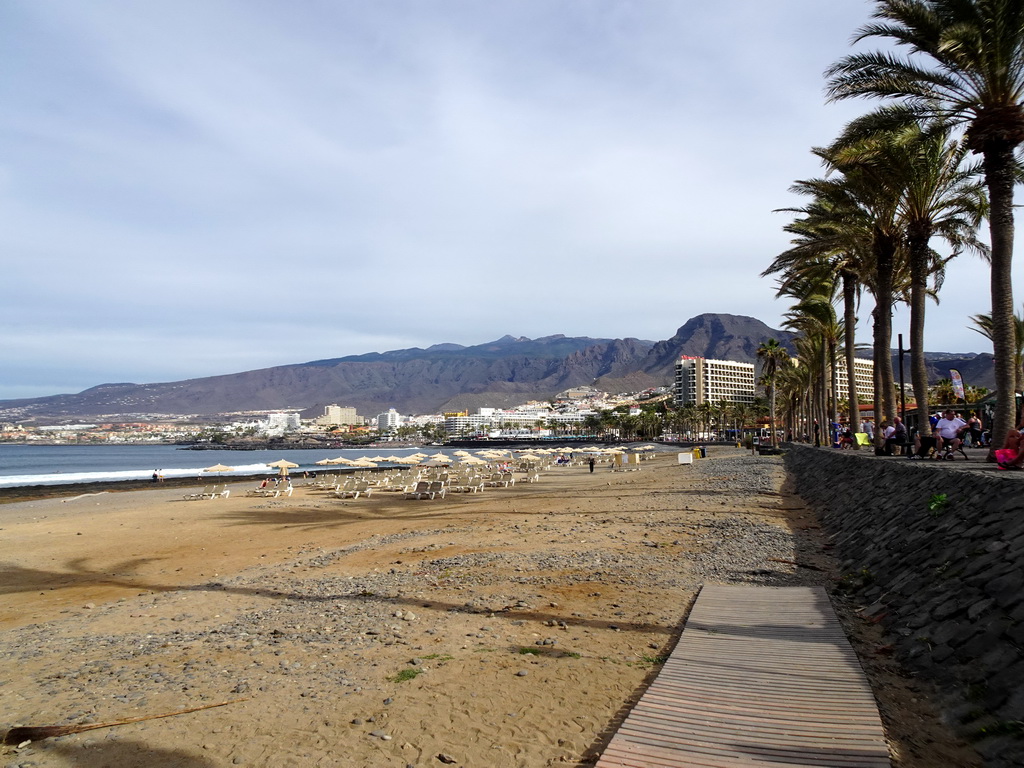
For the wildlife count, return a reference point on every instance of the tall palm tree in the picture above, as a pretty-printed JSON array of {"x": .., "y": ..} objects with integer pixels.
[
  {"x": 830, "y": 241},
  {"x": 939, "y": 196},
  {"x": 869, "y": 205},
  {"x": 965, "y": 67},
  {"x": 771, "y": 354},
  {"x": 815, "y": 316}
]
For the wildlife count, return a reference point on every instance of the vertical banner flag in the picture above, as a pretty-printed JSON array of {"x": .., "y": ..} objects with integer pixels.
[{"x": 958, "y": 383}]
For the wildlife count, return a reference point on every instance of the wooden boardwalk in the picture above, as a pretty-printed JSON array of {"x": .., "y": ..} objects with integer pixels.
[{"x": 762, "y": 676}]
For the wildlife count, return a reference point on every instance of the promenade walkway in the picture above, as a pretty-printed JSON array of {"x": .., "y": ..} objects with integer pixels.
[{"x": 762, "y": 676}]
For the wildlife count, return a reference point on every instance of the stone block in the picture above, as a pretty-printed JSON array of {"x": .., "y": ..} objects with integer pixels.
[{"x": 1006, "y": 588}]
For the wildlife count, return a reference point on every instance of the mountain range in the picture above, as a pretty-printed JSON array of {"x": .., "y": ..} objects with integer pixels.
[{"x": 446, "y": 377}]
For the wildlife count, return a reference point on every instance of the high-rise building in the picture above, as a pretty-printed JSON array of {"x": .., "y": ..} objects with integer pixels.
[
  {"x": 863, "y": 370},
  {"x": 702, "y": 380},
  {"x": 389, "y": 421},
  {"x": 864, "y": 375}
]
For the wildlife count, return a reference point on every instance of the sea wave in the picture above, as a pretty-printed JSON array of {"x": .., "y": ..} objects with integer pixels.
[{"x": 65, "y": 478}]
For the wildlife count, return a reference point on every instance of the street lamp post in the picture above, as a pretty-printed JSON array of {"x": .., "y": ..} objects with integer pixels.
[{"x": 903, "y": 389}]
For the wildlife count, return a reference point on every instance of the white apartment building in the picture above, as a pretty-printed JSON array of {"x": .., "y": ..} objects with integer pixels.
[
  {"x": 386, "y": 422},
  {"x": 703, "y": 380},
  {"x": 276, "y": 424},
  {"x": 486, "y": 419}
]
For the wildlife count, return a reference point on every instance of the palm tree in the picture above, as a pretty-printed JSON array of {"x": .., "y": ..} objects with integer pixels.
[
  {"x": 966, "y": 67},
  {"x": 863, "y": 200},
  {"x": 983, "y": 325},
  {"x": 815, "y": 317},
  {"x": 771, "y": 354},
  {"x": 938, "y": 196},
  {"x": 831, "y": 240}
]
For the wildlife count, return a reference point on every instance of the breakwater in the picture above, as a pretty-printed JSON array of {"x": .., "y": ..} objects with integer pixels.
[{"x": 935, "y": 554}]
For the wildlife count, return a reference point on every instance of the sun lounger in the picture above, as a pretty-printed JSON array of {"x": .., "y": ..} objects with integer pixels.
[
  {"x": 428, "y": 490},
  {"x": 357, "y": 489},
  {"x": 200, "y": 495}
]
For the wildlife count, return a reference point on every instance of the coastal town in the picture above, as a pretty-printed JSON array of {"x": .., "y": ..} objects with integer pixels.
[{"x": 708, "y": 398}]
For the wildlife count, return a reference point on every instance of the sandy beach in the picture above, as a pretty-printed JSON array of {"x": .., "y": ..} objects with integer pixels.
[{"x": 509, "y": 628}]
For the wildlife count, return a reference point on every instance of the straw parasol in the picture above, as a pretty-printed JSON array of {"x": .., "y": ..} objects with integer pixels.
[
  {"x": 283, "y": 465},
  {"x": 219, "y": 468}
]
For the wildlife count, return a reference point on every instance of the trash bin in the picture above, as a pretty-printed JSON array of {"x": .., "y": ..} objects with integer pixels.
[
  {"x": 703, "y": 452},
  {"x": 696, "y": 453}
]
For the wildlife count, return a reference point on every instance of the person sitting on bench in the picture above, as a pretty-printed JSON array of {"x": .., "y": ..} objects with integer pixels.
[
  {"x": 948, "y": 431},
  {"x": 896, "y": 438}
]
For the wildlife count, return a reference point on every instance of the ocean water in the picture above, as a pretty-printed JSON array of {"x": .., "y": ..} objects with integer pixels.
[{"x": 58, "y": 464}]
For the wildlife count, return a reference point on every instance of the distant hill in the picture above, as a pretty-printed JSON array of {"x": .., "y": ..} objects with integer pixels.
[{"x": 503, "y": 372}]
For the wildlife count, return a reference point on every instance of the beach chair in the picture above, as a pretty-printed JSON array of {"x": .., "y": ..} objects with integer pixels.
[
  {"x": 471, "y": 484},
  {"x": 200, "y": 495},
  {"x": 428, "y": 489},
  {"x": 421, "y": 491},
  {"x": 360, "y": 487}
]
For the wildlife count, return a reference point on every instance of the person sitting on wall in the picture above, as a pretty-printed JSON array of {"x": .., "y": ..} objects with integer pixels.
[
  {"x": 1011, "y": 455},
  {"x": 948, "y": 431},
  {"x": 895, "y": 437}
]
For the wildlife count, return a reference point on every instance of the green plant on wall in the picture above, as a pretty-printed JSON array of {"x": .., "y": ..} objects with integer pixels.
[{"x": 937, "y": 503}]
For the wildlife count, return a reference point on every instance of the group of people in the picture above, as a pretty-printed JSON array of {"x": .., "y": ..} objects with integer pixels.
[{"x": 950, "y": 432}]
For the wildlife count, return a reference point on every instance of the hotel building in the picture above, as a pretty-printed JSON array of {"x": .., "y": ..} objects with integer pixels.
[
  {"x": 864, "y": 375},
  {"x": 702, "y": 380}
]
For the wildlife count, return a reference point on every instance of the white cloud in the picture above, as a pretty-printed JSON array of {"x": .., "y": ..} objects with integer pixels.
[{"x": 328, "y": 178}]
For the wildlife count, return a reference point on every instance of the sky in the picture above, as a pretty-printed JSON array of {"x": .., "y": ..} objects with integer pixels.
[{"x": 199, "y": 187}]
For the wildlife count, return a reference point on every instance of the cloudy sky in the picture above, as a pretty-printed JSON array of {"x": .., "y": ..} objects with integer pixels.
[{"x": 197, "y": 187}]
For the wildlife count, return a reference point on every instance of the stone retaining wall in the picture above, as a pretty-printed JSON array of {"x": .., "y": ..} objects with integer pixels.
[{"x": 936, "y": 555}]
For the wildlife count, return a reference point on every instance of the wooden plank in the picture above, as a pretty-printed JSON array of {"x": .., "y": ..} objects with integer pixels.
[{"x": 762, "y": 676}]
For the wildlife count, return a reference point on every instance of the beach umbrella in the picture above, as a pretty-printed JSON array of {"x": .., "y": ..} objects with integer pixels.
[
  {"x": 462, "y": 453},
  {"x": 529, "y": 457},
  {"x": 283, "y": 465},
  {"x": 363, "y": 462},
  {"x": 471, "y": 460},
  {"x": 323, "y": 462},
  {"x": 219, "y": 468},
  {"x": 408, "y": 460},
  {"x": 438, "y": 455}
]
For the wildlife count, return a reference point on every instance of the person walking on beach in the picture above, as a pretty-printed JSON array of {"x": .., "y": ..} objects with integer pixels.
[{"x": 591, "y": 463}]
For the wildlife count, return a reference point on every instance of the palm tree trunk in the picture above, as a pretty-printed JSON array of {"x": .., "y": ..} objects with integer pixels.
[
  {"x": 884, "y": 250},
  {"x": 999, "y": 177},
  {"x": 919, "y": 256},
  {"x": 850, "y": 331}
]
